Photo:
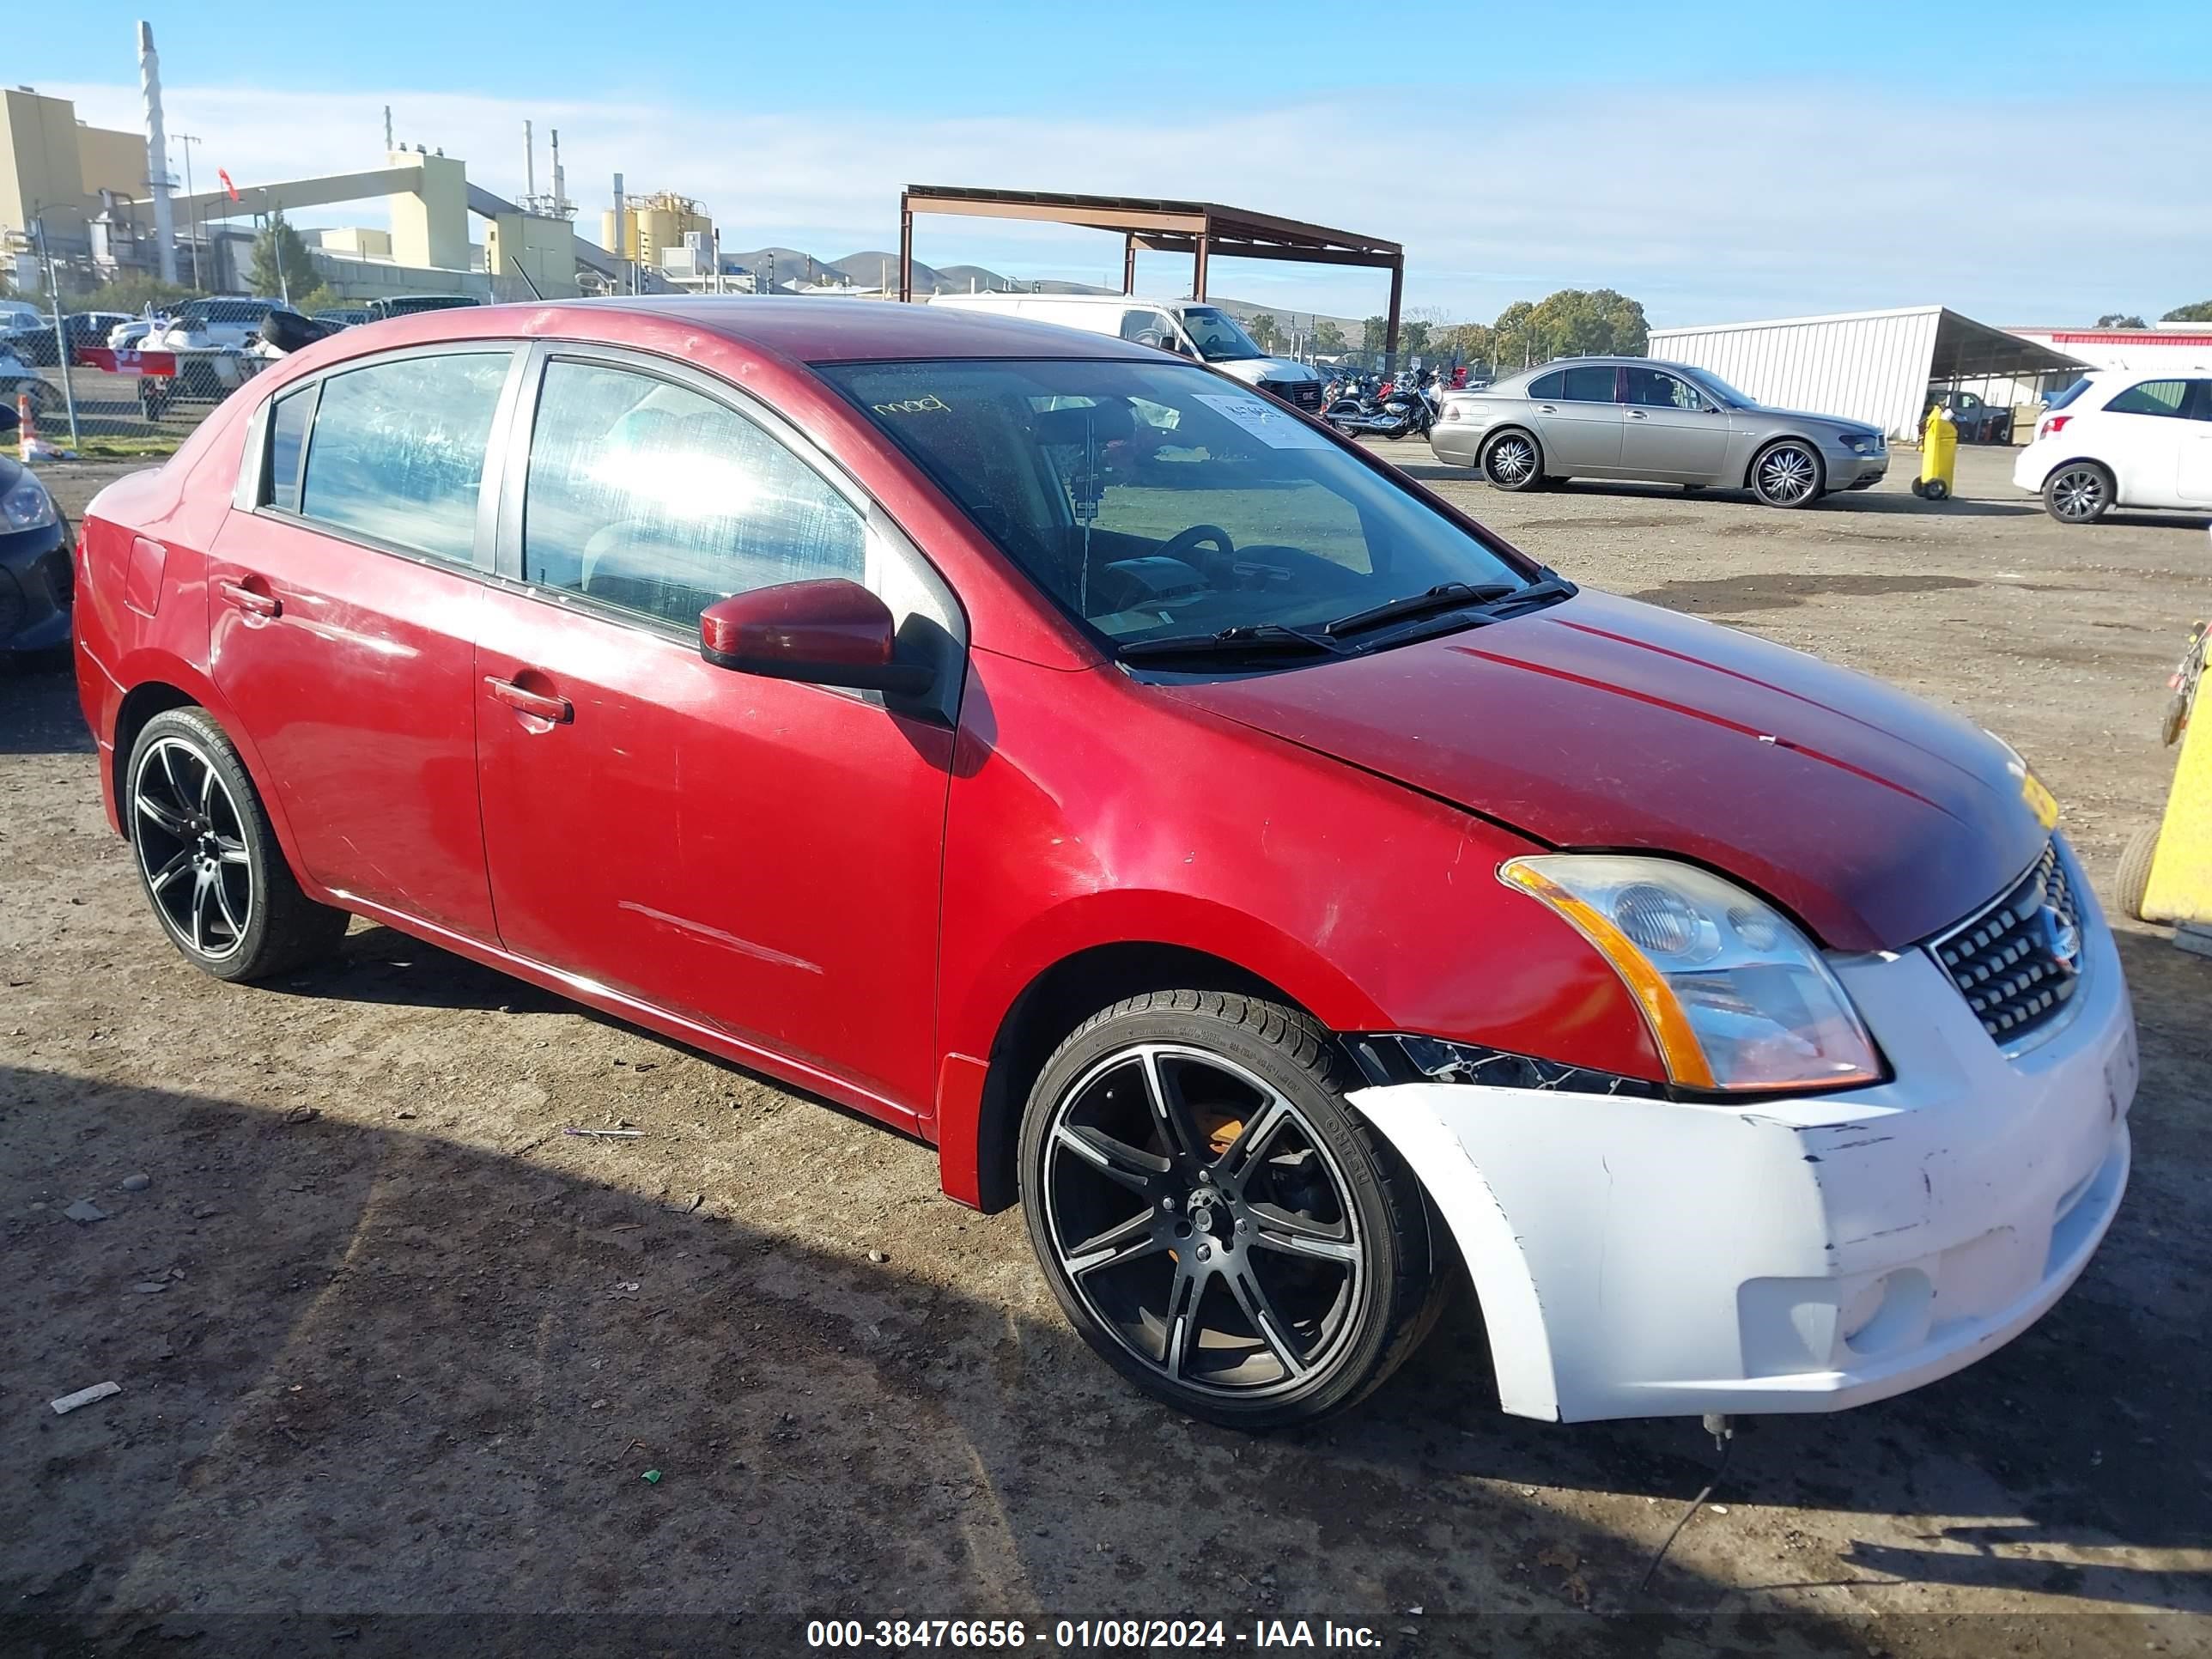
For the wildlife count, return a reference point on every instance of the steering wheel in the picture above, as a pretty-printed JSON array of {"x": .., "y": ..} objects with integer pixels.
[{"x": 1218, "y": 566}]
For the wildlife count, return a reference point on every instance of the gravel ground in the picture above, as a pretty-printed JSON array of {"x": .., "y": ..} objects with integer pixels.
[{"x": 393, "y": 1349}]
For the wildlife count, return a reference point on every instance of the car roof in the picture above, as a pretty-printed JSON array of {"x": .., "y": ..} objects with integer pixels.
[{"x": 821, "y": 330}]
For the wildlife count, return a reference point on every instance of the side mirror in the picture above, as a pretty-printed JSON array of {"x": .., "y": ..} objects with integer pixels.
[{"x": 831, "y": 632}]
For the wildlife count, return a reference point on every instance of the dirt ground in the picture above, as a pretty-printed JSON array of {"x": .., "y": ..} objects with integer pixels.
[{"x": 396, "y": 1354}]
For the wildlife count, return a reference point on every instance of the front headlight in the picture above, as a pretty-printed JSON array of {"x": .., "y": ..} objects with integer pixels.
[
  {"x": 27, "y": 506},
  {"x": 1861, "y": 443},
  {"x": 1736, "y": 998}
]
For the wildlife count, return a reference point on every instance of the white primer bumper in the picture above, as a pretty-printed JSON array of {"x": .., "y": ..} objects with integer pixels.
[{"x": 1641, "y": 1258}]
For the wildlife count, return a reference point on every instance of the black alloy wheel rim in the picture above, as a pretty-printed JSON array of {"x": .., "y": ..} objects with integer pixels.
[
  {"x": 1201, "y": 1221},
  {"x": 2077, "y": 493},
  {"x": 192, "y": 848}
]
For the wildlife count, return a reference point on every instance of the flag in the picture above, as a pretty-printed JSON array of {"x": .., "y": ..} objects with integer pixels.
[{"x": 226, "y": 184}]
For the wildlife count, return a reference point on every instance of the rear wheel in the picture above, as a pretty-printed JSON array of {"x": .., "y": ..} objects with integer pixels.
[
  {"x": 207, "y": 860},
  {"x": 1216, "y": 1221},
  {"x": 1787, "y": 474},
  {"x": 2079, "y": 492},
  {"x": 1513, "y": 461}
]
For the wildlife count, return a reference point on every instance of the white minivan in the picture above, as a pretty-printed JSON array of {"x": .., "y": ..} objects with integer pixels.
[
  {"x": 2123, "y": 437},
  {"x": 1189, "y": 328}
]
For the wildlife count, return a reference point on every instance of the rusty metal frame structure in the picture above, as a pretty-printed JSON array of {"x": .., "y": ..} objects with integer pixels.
[{"x": 1204, "y": 230}]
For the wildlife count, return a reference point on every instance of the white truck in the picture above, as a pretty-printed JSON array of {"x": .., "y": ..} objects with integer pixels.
[{"x": 1189, "y": 328}]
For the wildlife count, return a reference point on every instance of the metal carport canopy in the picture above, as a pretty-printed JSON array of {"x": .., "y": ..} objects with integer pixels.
[
  {"x": 1968, "y": 350},
  {"x": 1201, "y": 229}
]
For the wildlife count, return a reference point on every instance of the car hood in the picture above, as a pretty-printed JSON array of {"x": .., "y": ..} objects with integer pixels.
[
  {"x": 1763, "y": 416},
  {"x": 1600, "y": 723}
]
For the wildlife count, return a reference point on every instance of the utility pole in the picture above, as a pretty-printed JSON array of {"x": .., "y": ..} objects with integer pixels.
[{"x": 191, "y": 212}]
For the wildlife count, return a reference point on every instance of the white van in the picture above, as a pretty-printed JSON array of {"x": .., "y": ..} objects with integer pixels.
[{"x": 1190, "y": 328}]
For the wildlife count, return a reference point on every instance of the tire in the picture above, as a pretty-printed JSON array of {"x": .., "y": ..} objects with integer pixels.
[
  {"x": 1919, "y": 486},
  {"x": 1787, "y": 473},
  {"x": 1253, "y": 1282},
  {"x": 193, "y": 816},
  {"x": 2079, "y": 492},
  {"x": 2134, "y": 880},
  {"x": 1513, "y": 461},
  {"x": 1936, "y": 490}
]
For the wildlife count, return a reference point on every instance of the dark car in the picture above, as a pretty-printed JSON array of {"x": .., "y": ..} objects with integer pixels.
[
  {"x": 1978, "y": 420},
  {"x": 36, "y": 579},
  {"x": 1290, "y": 894}
]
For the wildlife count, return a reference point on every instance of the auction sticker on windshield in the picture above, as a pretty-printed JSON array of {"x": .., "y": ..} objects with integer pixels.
[{"x": 1270, "y": 425}]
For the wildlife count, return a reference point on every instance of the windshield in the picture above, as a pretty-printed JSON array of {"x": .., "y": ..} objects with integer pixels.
[
  {"x": 1153, "y": 501},
  {"x": 1216, "y": 336},
  {"x": 1723, "y": 394}
]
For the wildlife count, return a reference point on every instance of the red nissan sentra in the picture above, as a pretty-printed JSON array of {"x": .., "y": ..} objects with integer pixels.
[{"x": 1288, "y": 892}]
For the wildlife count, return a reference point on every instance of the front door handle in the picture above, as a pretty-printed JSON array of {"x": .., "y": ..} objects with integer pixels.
[
  {"x": 1636, "y": 415},
  {"x": 559, "y": 710},
  {"x": 253, "y": 603}
]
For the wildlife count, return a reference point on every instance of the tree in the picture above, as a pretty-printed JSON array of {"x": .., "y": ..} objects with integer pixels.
[
  {"x": 1412, "y": 337},
  {"x": 2120, "y": 319},
  {"x": 1266, "y": 330},
  {"x": 2199, "y": 313},
  {"x": 282, "y": 264},
  {"x": 1373, "y": 333},
  {"x": 131, "y": 292},
  {"x": 1328, "y": 339},
  {"x": 1470, "y": 343}
]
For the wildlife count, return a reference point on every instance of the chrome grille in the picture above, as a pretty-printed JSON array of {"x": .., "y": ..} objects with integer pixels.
[{"x": 2019, "y": 961}]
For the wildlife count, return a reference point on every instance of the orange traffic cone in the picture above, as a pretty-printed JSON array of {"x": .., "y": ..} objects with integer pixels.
[{"x": 27, "y": 426}]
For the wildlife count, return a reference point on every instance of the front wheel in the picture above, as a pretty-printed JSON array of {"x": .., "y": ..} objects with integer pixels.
[
  {"x": 1214, "y": 1218},
  {"x": 1513, "y": 461},
  {"x": 2079, "y": 492},
  {"x": 1787, "y": 474}
]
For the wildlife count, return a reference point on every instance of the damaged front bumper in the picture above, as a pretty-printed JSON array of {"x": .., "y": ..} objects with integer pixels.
[{"x": 1649, "y": 1257}]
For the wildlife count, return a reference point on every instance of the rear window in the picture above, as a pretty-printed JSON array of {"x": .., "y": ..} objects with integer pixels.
[
  {"x": 2151, "y": 397},
  {"x": 2069, "y": 394}
]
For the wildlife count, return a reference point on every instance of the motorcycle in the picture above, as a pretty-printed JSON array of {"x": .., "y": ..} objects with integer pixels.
[{"x": 1398, "y": 412}]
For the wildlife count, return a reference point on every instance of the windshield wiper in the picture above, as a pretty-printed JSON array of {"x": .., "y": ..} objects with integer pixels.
[
  {"x": 1254, "y": 639},
  {"x": 1444, "y": 596}
]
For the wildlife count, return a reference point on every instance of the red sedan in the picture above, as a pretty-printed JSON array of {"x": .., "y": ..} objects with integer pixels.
[{"x": 1287, "y": 891}]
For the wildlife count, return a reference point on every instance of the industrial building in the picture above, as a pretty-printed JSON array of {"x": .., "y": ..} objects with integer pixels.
[
  {"x": 55, "y": 168},
  {"x": 1872, "y": 366}
]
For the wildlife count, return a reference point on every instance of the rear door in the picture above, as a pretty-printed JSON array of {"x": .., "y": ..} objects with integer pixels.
[
  {"x": 759, "y": 855},
  {"x": 1669, "y": 431},
  {"x": 343, "y": 603},
  {"x": 2142, "y": 432},
  {"x": 1580, "y": 426}
]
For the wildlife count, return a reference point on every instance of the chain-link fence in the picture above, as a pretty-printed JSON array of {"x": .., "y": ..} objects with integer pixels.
[{"x": 93, "y": 406}]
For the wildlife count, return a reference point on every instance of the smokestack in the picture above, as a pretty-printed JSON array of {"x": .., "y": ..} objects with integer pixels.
[
  {"x": 560, "y": 183},
  {"x": 529, "y": 167},
  {"x": 157, "y": 153},
  {"x": 387, "y": 128}
]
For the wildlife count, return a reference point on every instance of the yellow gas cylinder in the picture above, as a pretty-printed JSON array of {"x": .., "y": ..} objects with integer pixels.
[{"x": 1939, "y": 456}]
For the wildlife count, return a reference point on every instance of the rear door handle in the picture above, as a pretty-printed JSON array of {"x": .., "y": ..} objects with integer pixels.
[
  {"x": 1636, "y": 415},
  {"x": 254, "y": 604},
  {"x": 559, "y": 710}
]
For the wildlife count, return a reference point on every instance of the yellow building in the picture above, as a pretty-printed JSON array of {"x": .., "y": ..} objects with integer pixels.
[
  {"x": 651, "y": 223},
  {"x": 53, "y": 166}
]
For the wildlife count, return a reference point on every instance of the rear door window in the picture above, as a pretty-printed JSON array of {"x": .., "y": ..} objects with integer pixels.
[
  {"x": 1589, "y": 385},
  {"x": 655, "y": 498},
  {"x": 397, "y": 454},
  {"x": 1548, "y": 386},
  {"x": 2150, "y": 397},
  {"x": 288, "y": 442}
]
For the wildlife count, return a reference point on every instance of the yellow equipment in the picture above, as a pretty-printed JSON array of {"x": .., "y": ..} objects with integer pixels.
[
  {"x": 1939, "y": 456},
  {"x": 2166, "y": 874}
]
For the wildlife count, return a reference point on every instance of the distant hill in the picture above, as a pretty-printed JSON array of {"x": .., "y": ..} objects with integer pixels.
[{"x": 872, "y": 266}]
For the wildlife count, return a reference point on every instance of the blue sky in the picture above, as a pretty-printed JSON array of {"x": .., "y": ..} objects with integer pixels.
[{"x": 1716, "y": 162}]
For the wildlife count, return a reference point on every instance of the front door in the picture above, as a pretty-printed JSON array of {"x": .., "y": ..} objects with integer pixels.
[
  {"x": 1669, "y": 431},
  {"x": 1580, "y": 424},
  {"x": 2195, "y": 473},
  {"x": 759, "y": 855},
  {"x": 344, "y": 601}
]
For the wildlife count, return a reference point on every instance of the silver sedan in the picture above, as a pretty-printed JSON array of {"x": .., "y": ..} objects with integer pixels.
[{"x": 1630, "y": 417}]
